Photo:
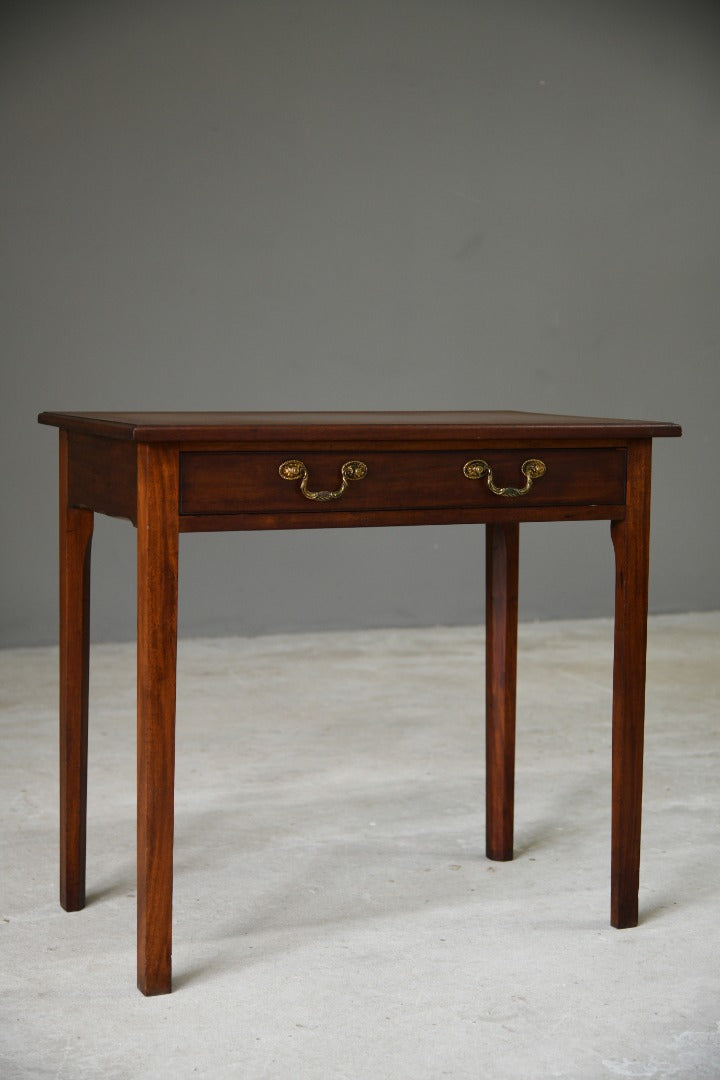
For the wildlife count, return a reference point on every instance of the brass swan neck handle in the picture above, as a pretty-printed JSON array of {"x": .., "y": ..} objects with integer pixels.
[
  {"x": 297, "y": 470},
  {"x": 532, "y": 469}
]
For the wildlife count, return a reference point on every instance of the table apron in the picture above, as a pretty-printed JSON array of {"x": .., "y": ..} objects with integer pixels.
[{"x": 340, "y": 519}]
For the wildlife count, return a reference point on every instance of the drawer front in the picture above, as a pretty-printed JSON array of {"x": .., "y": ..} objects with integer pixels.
[{"x": 222, "y": 482}]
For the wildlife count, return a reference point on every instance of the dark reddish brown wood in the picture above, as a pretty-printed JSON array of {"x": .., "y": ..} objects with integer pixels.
[
  {"x": 76, "y": 529},
  {"x": 339, "y": 519},
  {"x": 501, "y": 598},
  {"x": 103, "y": 475},
  {"x": 425, "y": 428},
  {"x": 129, "y": 464},
  {"x": 631, "y": 541},
  {"x": 226, "y": 483},
  {"x": 157, "y": 590}
]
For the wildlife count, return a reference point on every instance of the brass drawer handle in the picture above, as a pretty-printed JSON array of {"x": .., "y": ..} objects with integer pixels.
[
  {"x": 297, "y": 470},
  {"x": 532, "y": 469}
]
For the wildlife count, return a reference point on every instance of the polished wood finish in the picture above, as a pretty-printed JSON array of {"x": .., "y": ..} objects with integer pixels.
[
  {"x": 631, "y": 541},
  {"x": 103, "y": 476},
  {"x": 189, "y": 472},
  {"x": 75, "y": 534},
  {"x": 501, "y": 605},
  {"x": 255, "y": 429},
  {"x": 226, "y": 483},
  {"x": 336, "y": 518},
  {"x": 157, "y": 590}
]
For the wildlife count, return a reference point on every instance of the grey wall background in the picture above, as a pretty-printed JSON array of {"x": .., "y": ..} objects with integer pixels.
[{"x": 322, "y": 204}]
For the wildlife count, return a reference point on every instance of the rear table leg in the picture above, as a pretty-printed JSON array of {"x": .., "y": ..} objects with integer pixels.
[
  {"x": 502, "y": 546},
  {"x": 76, "y": 528}
]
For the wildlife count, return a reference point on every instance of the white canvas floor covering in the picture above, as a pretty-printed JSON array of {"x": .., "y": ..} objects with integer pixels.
[{"x": 334, "y": 914}]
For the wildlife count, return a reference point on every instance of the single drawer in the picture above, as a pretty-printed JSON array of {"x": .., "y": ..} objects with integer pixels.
[{"x": 222, "y": 482}]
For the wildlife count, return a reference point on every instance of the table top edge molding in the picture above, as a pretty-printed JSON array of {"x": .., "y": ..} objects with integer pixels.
[{"x": 253, "y": 428}]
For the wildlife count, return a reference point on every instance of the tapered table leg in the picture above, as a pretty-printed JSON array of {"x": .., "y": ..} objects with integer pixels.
[
  {"x": 502, "y": 545},
  {"x": 631, "y": 540},
  {"x": 76, "y": 528},
  {"x": 157, "y": 588}
]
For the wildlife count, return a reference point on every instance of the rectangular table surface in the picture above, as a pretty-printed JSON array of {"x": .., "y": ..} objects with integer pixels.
[{"x": 267, "y": 427}]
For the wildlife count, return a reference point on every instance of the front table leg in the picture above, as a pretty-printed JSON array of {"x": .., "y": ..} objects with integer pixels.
[
  {"x": 76, "y": 529},
  {"x": 631, "y": 540},
  {"x": 157, "y": 590},
  {"x": 501, "y": 601}
]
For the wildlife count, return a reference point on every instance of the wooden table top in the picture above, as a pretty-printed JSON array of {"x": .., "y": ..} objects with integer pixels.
[{"x": 368, "y": 426}]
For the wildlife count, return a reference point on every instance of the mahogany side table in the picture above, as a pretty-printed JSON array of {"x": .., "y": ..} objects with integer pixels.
[{"x": 170, "y": 473}]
